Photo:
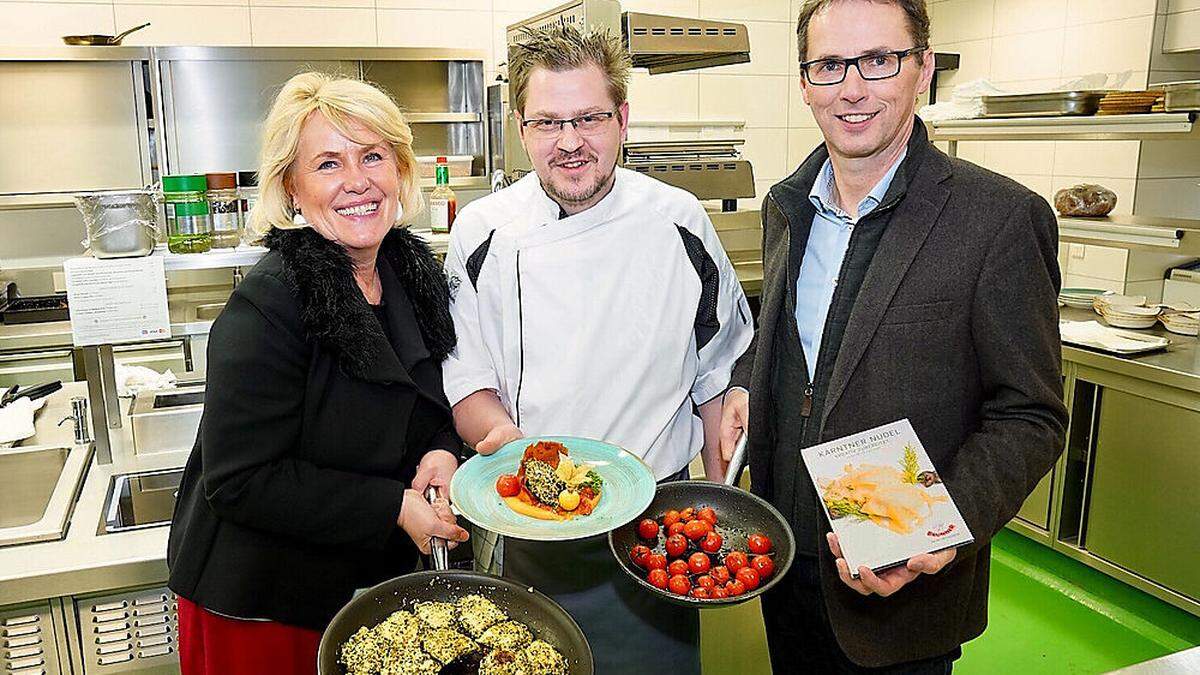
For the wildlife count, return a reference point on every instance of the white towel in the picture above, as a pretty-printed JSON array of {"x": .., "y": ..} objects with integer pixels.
[
  {"x": 133, "y": 379},
  {"x": 16, "y": 419}
]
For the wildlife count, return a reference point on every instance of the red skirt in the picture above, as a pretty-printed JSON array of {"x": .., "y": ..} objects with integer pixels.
[{"x": 210, "y": 644}]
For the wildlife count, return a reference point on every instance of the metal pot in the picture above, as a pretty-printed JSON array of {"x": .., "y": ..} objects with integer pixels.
[
  {"x": 119, "y": 224},
  {"x": 547, "y": 620},
  {"x": 109, "y": 40}
]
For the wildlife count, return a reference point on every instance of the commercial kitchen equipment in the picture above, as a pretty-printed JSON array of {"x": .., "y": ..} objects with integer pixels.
[
  {"x": 708, "y": 169},
  {"x": 662, "y": 44},
  {"x": 139, "y": 500},
  {"x": 166, "y": 420}
]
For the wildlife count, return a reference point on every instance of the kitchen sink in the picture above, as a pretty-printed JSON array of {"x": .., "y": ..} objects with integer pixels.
[
  {"x": 27, "y": 480},
  {"x": 140, "y": 500},
  {"x": 38, "y": 487}
]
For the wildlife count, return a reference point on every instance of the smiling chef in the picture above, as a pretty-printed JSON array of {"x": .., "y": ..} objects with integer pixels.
[{"x": 592, "y": 301}]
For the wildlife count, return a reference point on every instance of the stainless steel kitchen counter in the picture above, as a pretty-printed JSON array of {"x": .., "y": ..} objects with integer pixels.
[
  {"x": 1176, "y": 366},
  {"x": 83, "y": 561}
]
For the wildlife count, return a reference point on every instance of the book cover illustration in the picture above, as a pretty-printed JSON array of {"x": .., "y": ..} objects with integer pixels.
[{"x": 883, "y": 497}]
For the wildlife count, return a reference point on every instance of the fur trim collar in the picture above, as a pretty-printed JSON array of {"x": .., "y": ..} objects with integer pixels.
[{"x": 333, "y": 308}]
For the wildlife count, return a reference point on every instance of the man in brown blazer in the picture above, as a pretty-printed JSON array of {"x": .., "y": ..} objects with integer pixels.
[{"x": 898, "y": 283}]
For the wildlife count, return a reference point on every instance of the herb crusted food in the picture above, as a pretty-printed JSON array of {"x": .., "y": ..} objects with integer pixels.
[{"x": 469, "y": 633}]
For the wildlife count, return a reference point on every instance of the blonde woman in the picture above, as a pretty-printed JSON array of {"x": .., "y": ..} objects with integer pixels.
[{"x": 324, "y": 418}]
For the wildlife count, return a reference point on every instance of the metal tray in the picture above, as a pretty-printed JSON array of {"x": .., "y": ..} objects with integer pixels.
[
  {"x": 1047, "y": 104},
  {"x": 35, "y": 310},
  {"x": 1182, "y": 96}
]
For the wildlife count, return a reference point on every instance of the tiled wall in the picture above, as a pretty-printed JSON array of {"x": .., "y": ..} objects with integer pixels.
[
  {"x": 764, "y": 93},
  {"x": 1030, "y": 45},
  {"x": 1018, "y": 44}
]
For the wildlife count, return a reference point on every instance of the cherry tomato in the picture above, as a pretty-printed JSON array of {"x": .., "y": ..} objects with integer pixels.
[
  {"x": 656, "y": 561},
  {"x": 720, "y": 574},
  {"x": 711, "y": 542},
  {"x": 718, "y": 593},
  {"x": 759, "y": 543},
  {"x": 736, "y": 561},
  {"x": 735, "y": 588},
  {"x": 696, "y": 529},
  {"x": 676, "y": 527},
  {"x": 678, "y": 567},
  {"x": 657, "y": 578},
  {"x": 687, "y": 514},
  {"x": 699, "y": 563},
  {"x": 508, "y": 485},
  {"x": 708, "y": 514},
  {"x": 638, "y": 554},
  {"x": 705, "y": 581},
  {"x": 676, "y": 545},
  {"x": 749, "y": 577},
  {"x": 763, "y": 565},
  {"x": 671, "y": 517},
  {"x": 700, "y": 592},
  {"x": 679, "y": 584},
  {"x": 648, "y": 529}
]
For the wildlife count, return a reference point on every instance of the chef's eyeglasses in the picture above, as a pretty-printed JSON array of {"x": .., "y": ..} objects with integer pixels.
[
  {"x": 589, "y": 124},
  {"x": 877, "y": 66}
]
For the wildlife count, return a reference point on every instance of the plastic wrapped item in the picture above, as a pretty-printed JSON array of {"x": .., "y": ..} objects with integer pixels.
[
  {"x": 119, "y": 224},
  {"x": 1085, "y": 200}
]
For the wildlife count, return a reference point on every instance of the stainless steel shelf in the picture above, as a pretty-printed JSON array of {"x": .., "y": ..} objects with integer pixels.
[
  {"x": 466, "y": 182},
  {"x": 242, "y": 256},
  {"x": 436, "y": 117},
  {"x": 1152, "y": 126},
  {"x": 1167, "y": 235}
]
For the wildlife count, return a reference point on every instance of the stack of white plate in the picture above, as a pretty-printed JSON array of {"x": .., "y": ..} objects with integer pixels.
[
  {"x": 1080, "y": 298},
  {"x": 1099, "y": 302},
  {"x": 1184, "y": 323},
  {"x": 1130, "y": 316}
]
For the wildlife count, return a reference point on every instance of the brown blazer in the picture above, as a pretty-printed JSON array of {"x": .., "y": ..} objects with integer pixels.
[{"x": 956, "y": 328}]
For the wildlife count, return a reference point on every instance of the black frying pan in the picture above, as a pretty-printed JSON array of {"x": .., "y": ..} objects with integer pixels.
[
  {"x": 544, "y": 617},
  {"x": 109, "y": 40},
  {"x": 739, "y": 515}
]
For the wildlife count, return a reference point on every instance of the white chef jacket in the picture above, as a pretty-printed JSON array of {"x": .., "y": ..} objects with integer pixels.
[{"x": 607, "y": 324}]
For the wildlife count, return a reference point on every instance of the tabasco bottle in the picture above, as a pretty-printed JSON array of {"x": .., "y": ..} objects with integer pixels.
[{"x": 442, "y": 202}]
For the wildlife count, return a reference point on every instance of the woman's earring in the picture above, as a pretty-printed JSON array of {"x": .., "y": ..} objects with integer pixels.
[{"x": 298, "y": 218}]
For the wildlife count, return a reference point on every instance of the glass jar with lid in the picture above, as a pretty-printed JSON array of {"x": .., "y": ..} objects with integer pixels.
[
  {"x": 225, "y": 207},
  {"x": 189, "y": 224},
  {"x": 248, "y": 193}
]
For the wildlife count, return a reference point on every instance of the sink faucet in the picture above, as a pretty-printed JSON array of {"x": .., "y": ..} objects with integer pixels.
[{"x": 79, "y": 410}]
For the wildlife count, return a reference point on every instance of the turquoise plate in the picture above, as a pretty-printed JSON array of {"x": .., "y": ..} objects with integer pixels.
[{"x": 628, "y": 489}]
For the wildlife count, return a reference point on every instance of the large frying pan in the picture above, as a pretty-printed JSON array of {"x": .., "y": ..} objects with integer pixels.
[
  {"x": 544, "y": 617},
  {"x": 104, "y": 40},
  {"x": 739, "y": 514}
]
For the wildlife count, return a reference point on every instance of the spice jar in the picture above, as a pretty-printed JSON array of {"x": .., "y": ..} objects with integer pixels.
[
  {"x": 225, "y": 207},
  {"x": 189, "y": 225},
  {"x": 248, "y": 194}
]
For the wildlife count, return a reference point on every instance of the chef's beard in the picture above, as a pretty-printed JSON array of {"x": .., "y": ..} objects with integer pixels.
[{"x": 579, "y": 193}]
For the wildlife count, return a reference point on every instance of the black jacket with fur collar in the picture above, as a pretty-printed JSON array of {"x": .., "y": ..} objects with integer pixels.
[{"x": 313, "y": 426}]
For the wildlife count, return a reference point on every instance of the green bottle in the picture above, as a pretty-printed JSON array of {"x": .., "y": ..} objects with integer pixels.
[{"x": 189, "y": 223}]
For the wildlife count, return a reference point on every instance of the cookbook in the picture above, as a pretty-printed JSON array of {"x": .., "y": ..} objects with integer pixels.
[{"x": 883, "y": 497}]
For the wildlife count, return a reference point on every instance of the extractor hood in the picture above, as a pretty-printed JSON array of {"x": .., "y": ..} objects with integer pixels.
[{"x": 662, "y": 44}]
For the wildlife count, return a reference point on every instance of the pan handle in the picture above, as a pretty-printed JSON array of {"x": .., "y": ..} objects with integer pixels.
[
  {"x": 738, "y": 460},
  {"x": 437, "y": 546}
]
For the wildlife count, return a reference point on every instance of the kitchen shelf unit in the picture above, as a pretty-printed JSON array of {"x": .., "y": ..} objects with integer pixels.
[
  {"x": 1168, "y": 235},
  {"x": 1151, "y": 126}
]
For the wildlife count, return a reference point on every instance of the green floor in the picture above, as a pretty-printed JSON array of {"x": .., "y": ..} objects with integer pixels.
[{"x": 1048, "y": 614}]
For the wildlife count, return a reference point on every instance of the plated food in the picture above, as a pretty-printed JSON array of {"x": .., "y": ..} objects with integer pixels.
[
  {"x": 549, "y": 485},
  {"x": 470, "y": 634},
  {"x": 527, "y": 489}
]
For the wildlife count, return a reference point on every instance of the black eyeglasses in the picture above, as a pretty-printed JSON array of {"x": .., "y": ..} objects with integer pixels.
[
  {"x": 879, "y": 66},
  {"x": 585, "y": 125}
]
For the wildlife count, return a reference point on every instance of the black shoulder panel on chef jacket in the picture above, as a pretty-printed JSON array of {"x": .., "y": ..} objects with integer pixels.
[
  {"x": 475, "y": 260},
  {"x": 706, "y": 323}
]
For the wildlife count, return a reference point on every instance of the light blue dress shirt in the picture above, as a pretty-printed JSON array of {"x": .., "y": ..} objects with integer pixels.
[{"x": 823, "y": 254}]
